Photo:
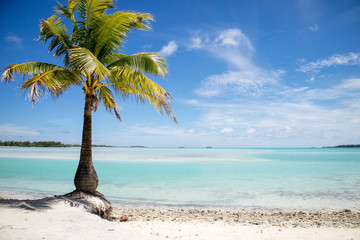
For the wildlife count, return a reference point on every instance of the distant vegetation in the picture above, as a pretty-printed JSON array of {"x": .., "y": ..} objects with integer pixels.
[
  {"x": 346, "y": 146},
  {"x": 42, "y": 144}
]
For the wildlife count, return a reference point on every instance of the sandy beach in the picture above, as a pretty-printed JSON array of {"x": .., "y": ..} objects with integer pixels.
[{"x": 52, "y": 218}]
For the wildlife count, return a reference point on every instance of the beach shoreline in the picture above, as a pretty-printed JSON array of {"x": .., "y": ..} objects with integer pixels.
[{"x": 43, "y": 217}]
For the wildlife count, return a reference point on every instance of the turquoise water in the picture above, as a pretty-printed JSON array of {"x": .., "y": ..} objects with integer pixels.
[{"x": 291, "y": 179}]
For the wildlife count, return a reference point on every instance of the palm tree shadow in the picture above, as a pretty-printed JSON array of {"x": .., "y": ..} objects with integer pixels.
[
  {"x": 32, "y": 205},
  {"x": 44, "y": 203}
]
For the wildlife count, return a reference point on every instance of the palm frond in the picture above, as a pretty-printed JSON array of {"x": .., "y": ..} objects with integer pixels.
[
  {"x": 67, "y": 11},
  {"x": 28, "y": 68},
  {"x": 54, "y": 30},
  {"x": 130, "y": 82},
  {"x": 105, "y": 96},
  {"x": 110, "y": 33},
  {"x": 111, "y": 30},
  {"x": 149, "y": 63},
  {"x": 83, "y": 60},
  {"x": 54, "y": 82},
  {"x": 89, "y": 11},
  {"x": 142, "y": 21}
]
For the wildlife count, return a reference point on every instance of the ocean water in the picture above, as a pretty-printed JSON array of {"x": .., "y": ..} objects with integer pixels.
[{"x": 252, "y": 179}]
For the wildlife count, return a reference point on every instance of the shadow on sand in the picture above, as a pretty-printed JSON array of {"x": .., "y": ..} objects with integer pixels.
[
  {"x": 39, "y": 204},
  {"x": 91, "y": 202}
]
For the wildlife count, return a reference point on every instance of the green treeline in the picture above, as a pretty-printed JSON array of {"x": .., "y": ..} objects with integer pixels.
[
  {"x": 346, "y": 146},
  {"x": 41, "y": 144}
]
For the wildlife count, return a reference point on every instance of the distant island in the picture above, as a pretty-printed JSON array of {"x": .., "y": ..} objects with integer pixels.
[
  {"x": 41, "y": 144},
  {"x": 346, "y": 146},
  {"x": 137, "y": 146}
]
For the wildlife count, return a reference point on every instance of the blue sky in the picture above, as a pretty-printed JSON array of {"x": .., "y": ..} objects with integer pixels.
[{"x": 242, "y": 74}]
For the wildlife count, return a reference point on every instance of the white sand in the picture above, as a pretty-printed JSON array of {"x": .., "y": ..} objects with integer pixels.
[
  {"x": 60, "y": 221},
  {"x": 223, "y": 231}
]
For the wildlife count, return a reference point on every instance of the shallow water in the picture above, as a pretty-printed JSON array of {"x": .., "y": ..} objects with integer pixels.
[{"x": 291, "y": 179}]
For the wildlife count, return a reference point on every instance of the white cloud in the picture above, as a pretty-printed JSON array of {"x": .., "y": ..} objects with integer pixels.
[
  {"x": 147, "y": 46},
  {"x": 233, "y": 38},
  {"x": 285, "y": 123},
  {"x": 239, "y": 83},
  {"x": 297, "y": 114},
  {"x": 196, "y": 43},
  {"x": 169, "y": 49},
  {"x": 293, "y": 90},
  {"x": 353, "y": 83},
  {"x": 13, "y": 130},
  {"x": 14, "y": 40},
  {"x": 245, "y": 78},
  {"x": 314, "y": 28},
  {"x": 226, "y": 130},
  {"x": 337, "y": 59},
  {"x": 250, "y": 131},
  {"x": 348, "y": 88}
]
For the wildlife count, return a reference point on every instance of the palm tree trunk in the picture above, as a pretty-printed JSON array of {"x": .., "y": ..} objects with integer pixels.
[{"x": 86, "y": 178}]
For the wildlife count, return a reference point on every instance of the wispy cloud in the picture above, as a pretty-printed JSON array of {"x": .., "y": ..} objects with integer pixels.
[
  {"x": 251, "y": 83},
  {"x": 353, "y": 83},
  {"x": 352, "y": 58},
  {"x": 347, "y": 88},
  {"x": 13, "y": 130},
  {"x": 314, "y": 28},
  {"x": 169, "y": 49},
  {"x": 196, "y": 43},
  {"x": 233, "y": 38},
  {"x": 245, "y": 77},
  {"x": 147, "y": 46},
  {"x": 14, "y": 41}
]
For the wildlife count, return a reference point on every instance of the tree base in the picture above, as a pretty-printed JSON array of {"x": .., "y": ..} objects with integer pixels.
[{"x": 94, "y": 202}]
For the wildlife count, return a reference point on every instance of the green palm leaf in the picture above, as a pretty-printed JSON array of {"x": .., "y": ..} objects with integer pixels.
[
  {"x": 54, "y": 82},
  {"x": 69, "y": 11},
  {"x": 53, "y": 29},
  {"x": 111, "y": 30},
  {"x": 29, "y": 68},
  {"x": 90, "y": 11},
  {"x": 130, "y": 82},
  {"x": 106, "y": 97},
  {"x": 47, "y": 78},
  {"x": 84, "y": 61},
  {"x": 149, "y": 63},
  {"x": 142, "y": 21}
]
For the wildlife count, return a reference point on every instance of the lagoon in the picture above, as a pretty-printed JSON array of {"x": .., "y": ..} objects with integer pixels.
[{"x": 252, "y": 179}]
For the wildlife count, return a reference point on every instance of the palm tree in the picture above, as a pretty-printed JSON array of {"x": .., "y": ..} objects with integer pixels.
[{"x": 92, "y": 60}]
